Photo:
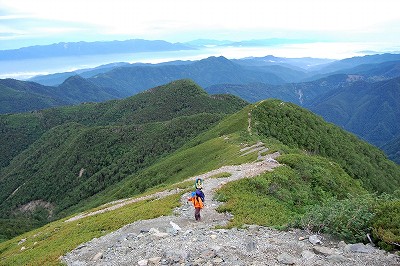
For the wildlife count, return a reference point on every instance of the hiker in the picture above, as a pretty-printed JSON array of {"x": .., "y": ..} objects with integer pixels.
[{"x": 198, "y": 202}]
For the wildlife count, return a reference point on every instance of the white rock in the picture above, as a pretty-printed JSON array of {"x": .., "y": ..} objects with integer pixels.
[
  {"x": 142, "y": 262},
  {"x": 159, "y": 234},
  {"x": 175, "y": 226},
  {"x": 314, "y": 239},
  {"x": 153, "y": 231},
  {"x": 154, "y": 261},
  {"x": 218, "y": 260},
  {"x": 98, "y": 256}
]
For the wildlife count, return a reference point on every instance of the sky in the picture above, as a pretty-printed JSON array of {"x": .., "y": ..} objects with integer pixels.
[{"x": 363, "y": 24}]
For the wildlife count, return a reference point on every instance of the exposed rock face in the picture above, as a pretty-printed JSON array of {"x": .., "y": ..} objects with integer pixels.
[{"x": 34, "y": 205}]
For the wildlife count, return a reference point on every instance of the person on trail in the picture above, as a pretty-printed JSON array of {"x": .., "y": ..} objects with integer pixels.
[{"x": 198, "y": 202}]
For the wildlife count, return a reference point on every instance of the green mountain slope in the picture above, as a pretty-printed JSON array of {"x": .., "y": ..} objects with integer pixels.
[
  {"x": 65, "y": 155},
  {"x": 22, "y": 96},
  {"x": 369, "y": 110},
  {"x": 180, "y": 98},
  {"x": 19, "y": 96},
  {"x": 302, "y": 93},
  {"x": 300, "y": 128},
  {"x": 392, "y": 149}
]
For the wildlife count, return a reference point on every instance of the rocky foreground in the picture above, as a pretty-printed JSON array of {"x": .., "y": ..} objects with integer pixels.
[{"x": 180, "y": 240}]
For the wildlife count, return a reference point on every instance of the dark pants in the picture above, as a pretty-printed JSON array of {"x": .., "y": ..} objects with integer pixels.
[{"x": 197, "y": 214}]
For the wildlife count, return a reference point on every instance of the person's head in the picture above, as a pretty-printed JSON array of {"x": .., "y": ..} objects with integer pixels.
[{"x": 199, "y": 183}]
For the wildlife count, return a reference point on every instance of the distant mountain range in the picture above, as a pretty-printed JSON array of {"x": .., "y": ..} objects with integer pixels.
[
  {"x": 359, "y": 89},
  {"x": 247, "y": 43},
  {"x": 64, "y": 49}
]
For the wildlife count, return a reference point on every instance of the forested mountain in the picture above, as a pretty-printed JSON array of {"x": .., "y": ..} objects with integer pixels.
[
  {"x": 63, "y": 156},
  {"x": 123, "y": 80},
  {"x": 381, "y": 71},
  {"x": 370, "y": 110},
  {"x": 392, "y": 149},
  {"x": 20, "y": 96},
  {"x": 298, "y": 127},
  {"x": 23, "y": 96},
  {"x": 76, "y": 89},
  {"x": 302, "y": 93}
]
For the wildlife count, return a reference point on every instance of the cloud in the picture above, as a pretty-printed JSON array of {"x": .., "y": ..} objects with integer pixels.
[{"x": 184, "y": 19}]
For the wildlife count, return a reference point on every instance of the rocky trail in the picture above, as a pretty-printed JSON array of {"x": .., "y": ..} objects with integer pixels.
[{"x": 180, "y": 240}]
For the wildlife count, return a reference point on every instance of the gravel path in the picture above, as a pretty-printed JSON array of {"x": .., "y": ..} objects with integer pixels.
[{"x": 180, "y": 240}]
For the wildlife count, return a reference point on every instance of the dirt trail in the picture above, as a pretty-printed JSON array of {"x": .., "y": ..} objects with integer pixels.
[{"x": 264, "y": 163}]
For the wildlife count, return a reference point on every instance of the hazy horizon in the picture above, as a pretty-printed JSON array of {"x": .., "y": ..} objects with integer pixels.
[
  {"x": 335, "y": 29},
  {"x": 26, "y": 23}
]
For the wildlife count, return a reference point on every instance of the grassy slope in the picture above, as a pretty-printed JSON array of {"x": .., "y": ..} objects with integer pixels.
[{"x": 328, "y": 177}]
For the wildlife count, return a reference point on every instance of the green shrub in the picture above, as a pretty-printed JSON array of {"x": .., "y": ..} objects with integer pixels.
[
  {"x": 348, "y": 219},
  {"x": 386, "y": 223},
  {"x": 353, "y": 218}
]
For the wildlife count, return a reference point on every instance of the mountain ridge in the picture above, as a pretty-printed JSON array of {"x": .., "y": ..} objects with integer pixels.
[{"x": 90, "y": 48}]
